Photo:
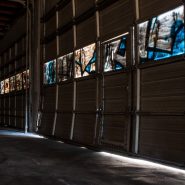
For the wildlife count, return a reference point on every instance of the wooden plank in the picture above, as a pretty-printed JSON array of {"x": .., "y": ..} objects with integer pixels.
[
  {"x": 157, "y": 6},
  {"x": 122, "y": 16},
  {"x": 84, "y": 128},
  {"x": 49, "y": 99},
  {"x": 47, "y": 121},
  {"x": 66, "y": 42},
  {"x": 86, "y": 95},
  {"x": 65, "y": 14},
  {"x": 51, "y": 26},
  {"x": 83, "y": 6},
  {"x": 86, "y": 32},
  {"x": 116, "y": 93},
  {"x": 50, "y": 50},
  {"x": 63, "y": 125},
  {"x": 65, "y": 97},
  {"x": 163, "y": 137},
  {"x": 115, "y": 129}
]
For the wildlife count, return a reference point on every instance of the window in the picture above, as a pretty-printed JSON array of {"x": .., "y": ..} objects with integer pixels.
[
  {"x": 50, "y": 72},
  {"x": 12, "y": 83},
  {"x": 65, "y": 67},
  {"x": 115, "y": 54},
  {"x": 25, "y": 79},
  {"x": 6, "y": 86},
  {"x": 19, "y": 82},
  {"x": 85, "y": 61},
  {"x": 162, "y": 36},
  {"x": 2, "y": 87}
]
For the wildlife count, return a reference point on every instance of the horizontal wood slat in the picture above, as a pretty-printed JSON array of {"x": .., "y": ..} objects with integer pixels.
[
  {"x": 163, "y": 137},
  {"x": 63, "y": 125},
  {"x": 157, "y": 7},
  {"x": 65, "y": 14},
  {"x": 86, "y": 32},
  {"x": 116, "y": 19},
  {"x": 84, "y": 128},
  {"x": 83, "y": 6}
]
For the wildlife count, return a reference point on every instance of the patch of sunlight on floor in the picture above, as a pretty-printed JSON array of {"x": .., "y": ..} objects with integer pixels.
[
  {"x": 19, "y": 134},
  {"x": 142, "y": 162}
]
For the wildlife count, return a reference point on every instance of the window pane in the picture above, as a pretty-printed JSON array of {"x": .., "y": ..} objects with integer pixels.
[
  {"x": 19, "y": 82},
  {"x": 115, "y": 55},
  {"x": 26, "y": 79},
  {"x": 12, "y": 83},
  {"x": 162, "y": 36},
  {"x": 50, "y": 72},
  {"x": 7, "y": 85},
  {"x": 65, "y": 67},
  {"x": 85, "y": 61},
  {"x": 2, "y": 87}
]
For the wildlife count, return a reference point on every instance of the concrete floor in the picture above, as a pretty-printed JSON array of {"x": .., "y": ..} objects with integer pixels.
[{"x": 28, "y": 160}]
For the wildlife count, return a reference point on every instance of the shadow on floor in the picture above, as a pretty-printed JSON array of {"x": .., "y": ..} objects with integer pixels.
[{"x": 27, "y": 160}]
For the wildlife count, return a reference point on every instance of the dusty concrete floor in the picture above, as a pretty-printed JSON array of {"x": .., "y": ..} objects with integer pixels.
[{"x": 35, "y": 161}]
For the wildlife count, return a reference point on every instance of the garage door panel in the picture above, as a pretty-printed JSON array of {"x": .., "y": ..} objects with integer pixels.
[
  {"x": 19, "y": 103},
  {"x": 116, "y": 105},
  {"x": 86, "y": 95},
  {"x": 164, "y": 87},
  {"x": 116, "y": 80},
  {"x": 12, "y": 120},
  {"x": 121, "y": 13},
  {"x": 65, "y": 97},
  {"x": 158, "y": 7},
  {"x": 12, "y": 104},
  {"x": 47, "y": 121},
  {"x": 86, "y": 84},
  {"x": 87, "y": 105},
  {"x": 162, "y": 137},
  {"x": 116, "y": 124},
  {"x": 7, "y": 119},
  {"x": 84, "y": 128},
  {"x": 63, "y": 125},
  {"x": 66, "y": 42},
  {"x": 83, "y": 6},
  {"x": 163, "y": 104},
  {"x": 176, "y": 156},
  {"x": 19, "y": 113},
  {"x": 6, "y": 101},
  {"x": 68, "y": 106},
  {"x": 51, "y": 25},
  {"x": 116, "y": 92},
  {"x": 163, "y": 123},
  {"x": 50, "y": 50},
  {"x": 86, "y": 32},
  {"x": 19, "y": 122},
  {"x": 66, "y": 14},
  {"x": 49, "y": 99},
  {"x": 163, "y": 72},
  {"x": 116, "y": 129},
  {"x": 119, "y": 91}
]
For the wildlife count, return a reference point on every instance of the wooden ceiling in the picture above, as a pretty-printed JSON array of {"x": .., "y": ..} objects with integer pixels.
[{"x": 10, "y": 10}]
